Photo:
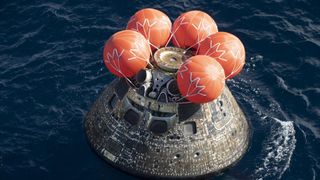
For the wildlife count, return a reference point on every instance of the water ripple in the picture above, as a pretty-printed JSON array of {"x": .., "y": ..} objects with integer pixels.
[{"x": 52, "y": 71}]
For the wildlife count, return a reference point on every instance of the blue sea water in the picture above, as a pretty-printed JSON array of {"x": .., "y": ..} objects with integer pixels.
[{"x": 51, "y": 71}]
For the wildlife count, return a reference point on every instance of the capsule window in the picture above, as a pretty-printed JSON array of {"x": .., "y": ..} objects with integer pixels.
[
  {"x": 113, "y": 101},
  {"x": 185, "y": 111},
  {"x": 131, "y": 117},
  {"x": 158, "y": 127},
  {"x": 121, "y": 88}
]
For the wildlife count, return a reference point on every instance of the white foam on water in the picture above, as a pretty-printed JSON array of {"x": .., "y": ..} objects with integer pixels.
[{"x": 277, "y": 150}]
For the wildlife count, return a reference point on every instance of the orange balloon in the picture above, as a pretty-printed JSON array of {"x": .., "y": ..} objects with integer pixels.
[
  {"x": 227, "y": 49},
  {"x": 200, "y": 79},
  {"x": 153, "y": 24},
  {"x": 192, "y": 27},
  {"x": 126, "y": 53}
]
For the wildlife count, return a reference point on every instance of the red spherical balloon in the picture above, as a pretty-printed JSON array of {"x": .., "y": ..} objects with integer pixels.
[
  {"x": 153, "y": 24},
  {"x": 126, "y": 53},
  {"x": 227, "y": 49},
  {"x": 192, "y": 27},
  {"x": 200, "y": 79}
]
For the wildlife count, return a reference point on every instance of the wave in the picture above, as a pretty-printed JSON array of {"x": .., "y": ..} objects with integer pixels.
[{"x": 277, "y": 150}]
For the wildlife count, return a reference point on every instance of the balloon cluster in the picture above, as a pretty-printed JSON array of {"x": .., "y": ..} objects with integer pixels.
[{"x": 201, "y": 78}]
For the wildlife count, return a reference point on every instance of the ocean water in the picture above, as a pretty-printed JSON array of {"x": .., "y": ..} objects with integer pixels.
[{"x": 51, "y": 71}]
